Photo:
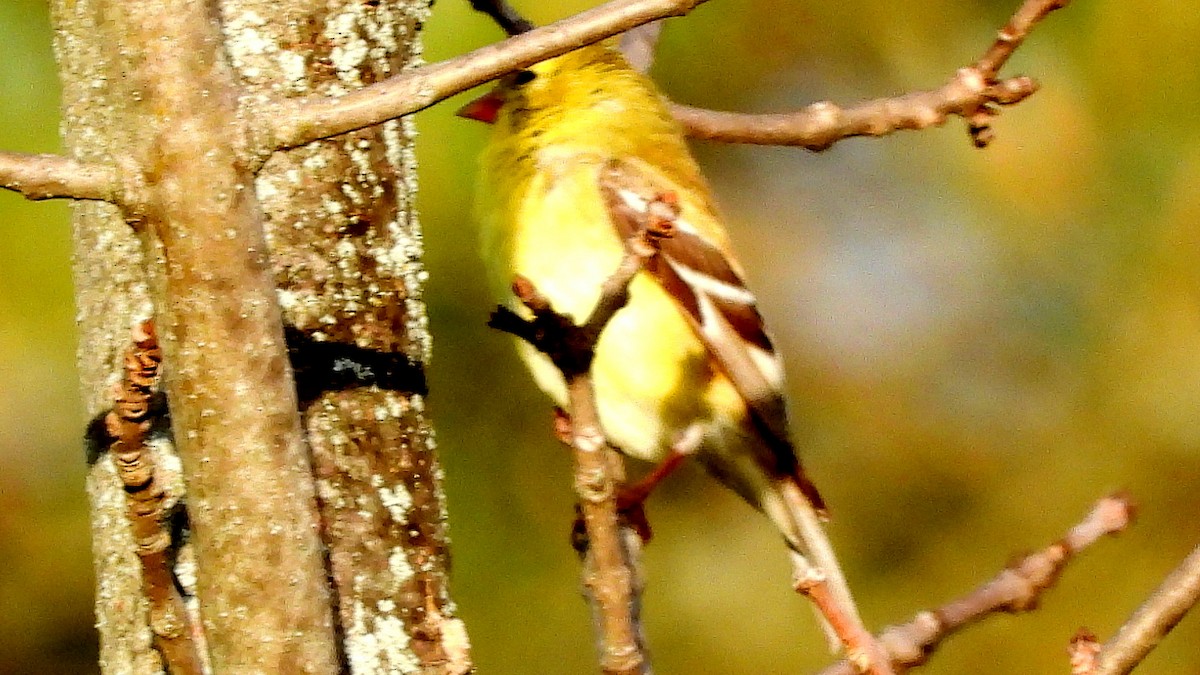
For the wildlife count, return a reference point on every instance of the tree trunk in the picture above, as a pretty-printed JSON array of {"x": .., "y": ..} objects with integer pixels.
[{"x": 317, "y": 521}]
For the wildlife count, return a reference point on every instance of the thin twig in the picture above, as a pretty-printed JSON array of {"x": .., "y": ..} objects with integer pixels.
[
  {"x": 147, "y": 503},
  {"x": 56, "y": 177},
  {"x": 973, "y": 94},
  {"x": 298, "y": 121},
  {"x": 1022, "y": 22},
  {"x": 820, "y": 125},
  {"x": 1177, "y": 594},
  {"x": 611, "y": 575},
  {"x": 1016, "y": 589},
  {"x": 608, "y": 565},
  {"x": 865, "y": 654},
  {"x": 1014, "y": 33}
]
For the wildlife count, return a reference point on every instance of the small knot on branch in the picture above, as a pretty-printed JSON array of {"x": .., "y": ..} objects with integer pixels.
[
  {"x": 911, "y": 643},
  {"x": 990, "y": 94},
  {"x": 556, "y": 335},
  {"x": 594, "y": 485},
  {"x": 1084, "y": 652},
  {"x": 1012, "y": 90},
  {"x": 807, "y": 579}
]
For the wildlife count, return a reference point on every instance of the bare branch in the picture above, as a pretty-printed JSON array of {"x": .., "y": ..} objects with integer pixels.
[
  {"x": 298, "y": 121},
  {"x": 866, "y": 654},
  {"x": 612, "y": 572},
  {"x": 820, "y": 125},
  {"x": 1156, "y": 617},
  {"x": 1016, "y": 589},
  {"x": 57, "y": 177},
  {"x": 611, "y": 576},
  {"x": 973, "y": 94}
]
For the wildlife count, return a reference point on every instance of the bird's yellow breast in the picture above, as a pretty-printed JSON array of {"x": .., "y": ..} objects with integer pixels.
[{"x": 652, "y": 375}]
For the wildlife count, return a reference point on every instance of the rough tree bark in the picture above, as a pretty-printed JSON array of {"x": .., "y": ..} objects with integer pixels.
[{"x": 330, "y": 499}]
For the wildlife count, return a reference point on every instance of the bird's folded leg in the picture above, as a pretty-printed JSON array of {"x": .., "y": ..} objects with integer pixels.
[
  {"x": 637, "y": 493},
  {"x": 631, "y": 499},
  {"x": 862, "y": 650},
  {"x": 562, "y": 426}
]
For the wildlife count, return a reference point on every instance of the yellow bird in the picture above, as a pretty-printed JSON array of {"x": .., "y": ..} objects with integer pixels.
[{"x": 687, "y": 365}]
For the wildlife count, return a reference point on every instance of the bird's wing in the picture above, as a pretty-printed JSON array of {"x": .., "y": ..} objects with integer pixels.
[{"x": 706, "y": 284}]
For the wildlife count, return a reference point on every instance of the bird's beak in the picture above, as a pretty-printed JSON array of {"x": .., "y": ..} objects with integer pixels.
[{"x": 483, "y": 109}]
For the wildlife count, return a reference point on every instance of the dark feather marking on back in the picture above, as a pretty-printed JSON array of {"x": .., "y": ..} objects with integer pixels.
[
  {"x": 690, "y": 251},
  {"x": 745, "y": 321}
]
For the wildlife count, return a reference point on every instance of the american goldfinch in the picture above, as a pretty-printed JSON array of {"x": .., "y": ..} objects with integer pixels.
[{"x": 686, "y": 365}]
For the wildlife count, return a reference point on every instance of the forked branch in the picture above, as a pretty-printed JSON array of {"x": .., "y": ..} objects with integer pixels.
[
  {"x": 973, "y": 93},
  {"x": 1016, "y": 589},
  {"x": 612, "y": 574}
]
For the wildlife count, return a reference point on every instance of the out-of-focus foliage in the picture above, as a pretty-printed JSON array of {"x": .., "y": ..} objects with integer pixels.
[
  {"x": 45, "y": 554},
  {"x": 979, "y": 342}
]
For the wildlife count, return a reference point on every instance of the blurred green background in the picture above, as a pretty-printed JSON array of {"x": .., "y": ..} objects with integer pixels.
[{"x": 979, "y": 344}]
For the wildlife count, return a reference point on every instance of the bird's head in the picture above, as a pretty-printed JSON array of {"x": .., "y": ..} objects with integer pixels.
[{"x": 588, "y": 86}]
